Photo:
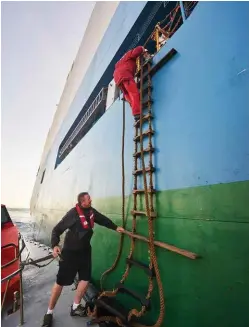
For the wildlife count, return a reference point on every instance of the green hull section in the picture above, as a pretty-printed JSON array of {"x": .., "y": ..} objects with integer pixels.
[{"x": 211, "y": 221}]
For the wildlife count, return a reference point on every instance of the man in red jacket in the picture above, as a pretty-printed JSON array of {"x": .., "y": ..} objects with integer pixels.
[{"x": 124, "y": 74}]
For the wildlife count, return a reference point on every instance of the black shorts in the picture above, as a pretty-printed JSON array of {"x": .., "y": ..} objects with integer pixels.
[{"x": 74, "y": 262}]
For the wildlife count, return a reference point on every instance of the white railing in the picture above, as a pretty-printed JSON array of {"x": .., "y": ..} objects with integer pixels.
[{"x": 99, "y": 98}]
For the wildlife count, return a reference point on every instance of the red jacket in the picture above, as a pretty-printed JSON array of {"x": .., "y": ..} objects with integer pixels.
[{"x": 125, "y": 68}]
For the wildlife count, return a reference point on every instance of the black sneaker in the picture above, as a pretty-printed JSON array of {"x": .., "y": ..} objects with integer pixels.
[
  {"x": 79, "y": 311},
  {"x": 47, "y": 320}
]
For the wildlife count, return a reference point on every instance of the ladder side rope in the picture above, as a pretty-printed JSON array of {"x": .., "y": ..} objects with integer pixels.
[
  {"x": 135, "y": 312},
  {"x": 149, "y": 208},
  {"x": 150, "y": 221}
]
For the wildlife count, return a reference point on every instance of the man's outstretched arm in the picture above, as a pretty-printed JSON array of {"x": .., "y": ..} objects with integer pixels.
[{"x": 102, "y": 220}]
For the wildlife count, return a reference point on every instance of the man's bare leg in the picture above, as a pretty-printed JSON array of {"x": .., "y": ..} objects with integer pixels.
[
  {"x": 81, "y": 289},
  {"x": 55, "y": 294}
]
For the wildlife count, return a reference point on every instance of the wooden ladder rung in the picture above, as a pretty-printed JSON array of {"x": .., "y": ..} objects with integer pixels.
[
  {"x": 141, "y": 191},
  {"x": 143, "y": 213},
  {"x": 150, "y": 272},
  {"x": 147, "y": 150},
  {"x": 147, "y": 133},
  {"x": 147, "y": 169},
  {"x": 145, "y": 118}
]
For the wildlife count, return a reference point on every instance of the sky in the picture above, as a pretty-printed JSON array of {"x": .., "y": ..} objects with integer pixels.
[{"x": 39, "y": 41}]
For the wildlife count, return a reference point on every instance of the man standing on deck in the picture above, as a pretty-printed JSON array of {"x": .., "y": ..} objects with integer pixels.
[
  {"x": 76, "y": 252},
  {"x": 125, "y": 70}
]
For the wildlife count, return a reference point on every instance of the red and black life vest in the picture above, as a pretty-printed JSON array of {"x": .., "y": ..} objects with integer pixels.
[{"x": 83, "y": 218}]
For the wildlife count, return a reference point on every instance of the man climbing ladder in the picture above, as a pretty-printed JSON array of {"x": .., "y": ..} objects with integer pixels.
[{"x": 124, "y": 74}]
